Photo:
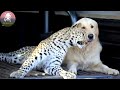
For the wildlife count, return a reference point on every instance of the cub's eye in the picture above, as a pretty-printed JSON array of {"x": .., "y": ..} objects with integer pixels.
[
  {"x": 92, "y": 26},
  {"x": 83, "y": 27},
  {"x": 80, "y": 42}
]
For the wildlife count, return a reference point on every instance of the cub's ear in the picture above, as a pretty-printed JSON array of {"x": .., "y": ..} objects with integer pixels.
[{"x": 76, "y": 25}]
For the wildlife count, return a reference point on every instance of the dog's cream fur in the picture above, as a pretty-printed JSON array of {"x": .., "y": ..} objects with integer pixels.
[{"x": 87, "y": 58}]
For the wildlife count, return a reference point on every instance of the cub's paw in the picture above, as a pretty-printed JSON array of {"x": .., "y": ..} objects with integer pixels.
[
  {"x": 67, "y": 75},
  {"x": 112, "y": 71},
  {"x": 17, "y": 74}
]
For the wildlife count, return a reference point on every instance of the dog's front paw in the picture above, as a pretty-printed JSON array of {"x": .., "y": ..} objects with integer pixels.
[
  {"x": 17, "y": 74},
  {"x": 112, "y": 71},
  {"x": 73, "y": 70}
]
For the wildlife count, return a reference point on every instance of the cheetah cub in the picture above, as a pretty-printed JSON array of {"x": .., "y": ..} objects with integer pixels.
[{"x": 50, "y": 53}]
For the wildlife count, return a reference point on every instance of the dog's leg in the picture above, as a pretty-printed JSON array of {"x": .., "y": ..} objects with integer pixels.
[
  {"x": 72, "y": 67},
  {"x": 100, "y": 67}
]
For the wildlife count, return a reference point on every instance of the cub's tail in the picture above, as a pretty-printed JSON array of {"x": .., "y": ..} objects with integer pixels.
[{"x": 17, "y": 57}]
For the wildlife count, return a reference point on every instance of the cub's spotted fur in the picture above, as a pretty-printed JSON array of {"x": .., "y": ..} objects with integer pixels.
[
  {"x": 49, "y": 54},
  {"x": 17, "y": 57}
]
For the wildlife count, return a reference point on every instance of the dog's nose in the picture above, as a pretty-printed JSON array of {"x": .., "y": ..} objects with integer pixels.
[{"x": 90, "y": 36}]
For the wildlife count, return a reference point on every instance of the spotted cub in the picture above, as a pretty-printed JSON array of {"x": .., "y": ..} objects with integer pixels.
[{"x": 49, "y": 54}]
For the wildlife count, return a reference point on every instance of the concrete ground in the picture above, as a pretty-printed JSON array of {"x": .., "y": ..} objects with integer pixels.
[{"x": 6, "y": 69}]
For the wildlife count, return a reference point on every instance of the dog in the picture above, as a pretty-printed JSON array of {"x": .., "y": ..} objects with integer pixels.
[{"x": 87, "y": 58}]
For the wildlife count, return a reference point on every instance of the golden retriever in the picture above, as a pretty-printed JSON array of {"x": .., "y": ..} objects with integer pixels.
[{"x": 87, "y": 58}]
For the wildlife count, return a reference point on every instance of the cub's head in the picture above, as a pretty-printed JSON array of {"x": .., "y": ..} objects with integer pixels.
[{"x": 78, "y": 37}]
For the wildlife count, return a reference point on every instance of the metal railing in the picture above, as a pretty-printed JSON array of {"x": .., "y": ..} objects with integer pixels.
[{"x": 72, "y": 14}]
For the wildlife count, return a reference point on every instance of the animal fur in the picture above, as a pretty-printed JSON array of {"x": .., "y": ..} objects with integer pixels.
[{"x": 88, "y": 58}]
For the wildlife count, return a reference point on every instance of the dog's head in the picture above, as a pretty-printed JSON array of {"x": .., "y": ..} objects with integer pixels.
[{"x": 90, "y": 26}]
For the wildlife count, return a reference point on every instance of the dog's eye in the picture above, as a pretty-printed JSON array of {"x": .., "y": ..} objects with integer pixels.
[
  {"x": 92, "y": 26},
  {"x": 80, "y": 42},
  {"x": 83, "y": 27}
]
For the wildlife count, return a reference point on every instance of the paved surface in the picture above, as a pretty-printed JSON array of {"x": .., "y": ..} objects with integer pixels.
[{"x": 6, "y": 69}]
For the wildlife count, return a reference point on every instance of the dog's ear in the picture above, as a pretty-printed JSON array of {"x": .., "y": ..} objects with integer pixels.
[{"x": 76, "y": 25}]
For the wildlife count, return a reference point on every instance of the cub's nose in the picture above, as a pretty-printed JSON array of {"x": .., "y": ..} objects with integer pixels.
[
  {"x": 90, "y": 36},
  {"x": 80, "y": 42}
]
